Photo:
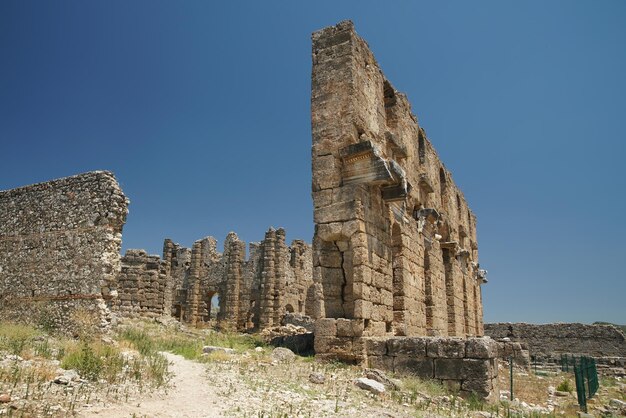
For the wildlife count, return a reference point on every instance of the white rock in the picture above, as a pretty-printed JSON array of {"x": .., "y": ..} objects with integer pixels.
[
  {"x": 616, "y": 403},
  {"x": 281, "y": 354},
  {"x": 208, "y": 349},
  {"x": 369, "y": 384}
]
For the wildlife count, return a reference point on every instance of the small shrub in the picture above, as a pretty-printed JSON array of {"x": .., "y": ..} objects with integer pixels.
[
  {"x": 565, "y": 386},
  {"x": 140, "y": 340},
  {"x": 85, "y": 362}
]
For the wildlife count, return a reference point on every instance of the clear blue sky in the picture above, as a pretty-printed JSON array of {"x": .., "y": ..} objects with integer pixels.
[{"x": 202, "y": 111}]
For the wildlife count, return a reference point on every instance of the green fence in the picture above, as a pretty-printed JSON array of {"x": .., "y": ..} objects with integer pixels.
[{"x": 586, "y": 375}]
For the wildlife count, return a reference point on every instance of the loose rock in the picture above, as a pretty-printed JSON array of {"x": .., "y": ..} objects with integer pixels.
[
  {"x": 317, "y": 378},
  {"x": 67, "y": 377},
  {"x": 281, "y": 355},
  {"x": 380, "y": 377},
  {"x": 208, "y": 349},
  {"x": 369, "y": 384}
]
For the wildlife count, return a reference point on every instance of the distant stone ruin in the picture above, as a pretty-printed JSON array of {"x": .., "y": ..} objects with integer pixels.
[
  {"x": 547, "y": 342},
  {"x": 59, "y": 250},
  {"x": 253, "y": 293}
]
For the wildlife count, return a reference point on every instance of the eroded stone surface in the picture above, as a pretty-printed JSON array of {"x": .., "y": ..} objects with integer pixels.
[
  {"x": 395, "y": 241},
  {"x": 60, "y": 251}
]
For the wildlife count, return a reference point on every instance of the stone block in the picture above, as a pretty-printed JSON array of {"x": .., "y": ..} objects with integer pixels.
[
  {"x": 349, "y": 327},
  {"x": 325, "y": 327},
  {"x": 362, "y": 309},
  {"x": 375, "y": 329},
  {"x": 409, "y": 346},
  {"x": 375, "y": 346},
  {"x": 331, "y": 344},
  {"x": 449, "y": 368},
  {"x": 380, "y": 362},
  {"x": 418, "y": 366},
  {"x": 481, "y": 387},
  {"x": 476, "y": 369},
  {"x": 482, "y": 348},
  {"x": 338, "y": 212},
  {"x": 446, "y": 348},
  {"x": 330, "y": 232}
]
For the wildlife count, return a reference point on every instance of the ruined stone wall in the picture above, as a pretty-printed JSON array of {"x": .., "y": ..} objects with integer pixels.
[
  {"x": 60, "y": 250},
  {"x": 552, "y": 340},
  {"x": 254, "y": 292},
  {"x": 142, "y": 285},
  {"x": 394, "y": 252},
  {"x": 467, "y": 366},
  {"x": 395, "y": 242}
]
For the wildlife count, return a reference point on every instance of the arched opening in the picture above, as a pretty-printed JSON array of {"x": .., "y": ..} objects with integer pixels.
[
  {"x": 442, "y": 187},
  {"x": 421, "y": 146},
  {"x": 214, "y": 306},
  {"x": 458, "y": 206},
  {"x": 289, "y": 308}
]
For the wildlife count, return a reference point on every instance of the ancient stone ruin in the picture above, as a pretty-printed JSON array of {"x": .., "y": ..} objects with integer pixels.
[
  {"x": 254, "y": 292},
  {"x": 395, "y": 250},
  {"x": 547, "y": 342},
  {"x": 59, "y": 250},
  {"x": 392, "y": 279}
]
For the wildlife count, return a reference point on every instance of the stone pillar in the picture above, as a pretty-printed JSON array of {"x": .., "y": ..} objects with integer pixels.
[
  {"x": 268, "y": 280},
  {"x": 234, "y": 253},
  {"x": 192, "y": 314}
]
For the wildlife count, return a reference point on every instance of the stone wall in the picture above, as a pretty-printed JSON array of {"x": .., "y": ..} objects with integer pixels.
[
  {"x": 395, "y": 241},
  {"x": 552, "y": 340},
  {"x": 464, "y": 365},
  {"x": 142, "y": 285},
  {"x": 395, "y": 253},
  {"x": 60, "y": 250}
]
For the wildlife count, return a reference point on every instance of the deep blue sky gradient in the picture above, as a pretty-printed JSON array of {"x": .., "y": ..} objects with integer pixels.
[{"x": 202, "y": 111}]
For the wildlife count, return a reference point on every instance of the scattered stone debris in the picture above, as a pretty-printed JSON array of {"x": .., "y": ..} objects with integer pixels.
[{"x": 5, "y": 398}]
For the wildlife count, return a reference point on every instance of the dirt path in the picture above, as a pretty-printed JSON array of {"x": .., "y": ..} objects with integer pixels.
[{"x": 191, "y": 395}]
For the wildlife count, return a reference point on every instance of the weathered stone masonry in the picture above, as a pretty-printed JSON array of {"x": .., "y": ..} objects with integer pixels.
[
  {"x": 59, "y": 250},
  {"x": 547, "y": 342},
  {"x": 395, "y": 250},
  {"x": 255, "y": 292},
  {"x": 392, "y": 278}
]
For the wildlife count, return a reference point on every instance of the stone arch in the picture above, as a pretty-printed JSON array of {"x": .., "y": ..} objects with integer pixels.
[
  {"x": 443, "y": 185},
  {"x": 421, "y": 146},
  {"x": 213, "y": 305}
]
